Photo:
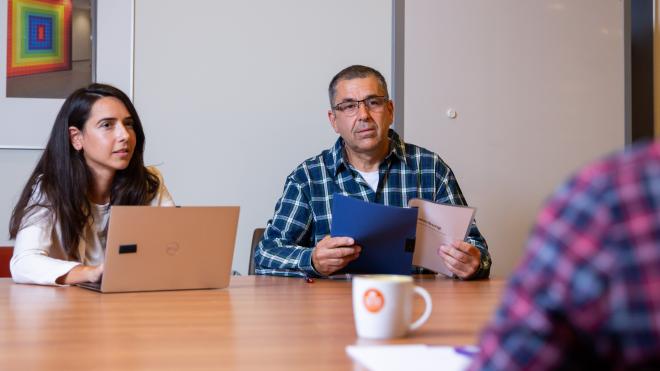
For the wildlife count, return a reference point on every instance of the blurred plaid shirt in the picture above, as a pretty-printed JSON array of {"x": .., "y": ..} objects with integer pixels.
[
  {"x": 303, "y": 215},
  {"x": 587, "y": 293}
]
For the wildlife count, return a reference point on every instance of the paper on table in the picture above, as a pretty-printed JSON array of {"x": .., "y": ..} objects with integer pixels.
[
  {"x": 409, "y": 357},
  {"x": 438, "y": 224}
]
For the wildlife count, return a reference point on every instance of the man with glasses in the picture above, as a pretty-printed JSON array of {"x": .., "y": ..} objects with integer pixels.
[{"x": 369, "y": 162}]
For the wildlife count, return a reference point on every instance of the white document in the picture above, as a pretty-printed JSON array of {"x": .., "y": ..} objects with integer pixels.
[
  {"x": 411, "y": 357},
  {"x": 438, "y": 224}
]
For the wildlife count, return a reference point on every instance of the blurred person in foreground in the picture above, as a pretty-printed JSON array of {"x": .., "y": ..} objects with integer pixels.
[{"x": 586, "y": 295}]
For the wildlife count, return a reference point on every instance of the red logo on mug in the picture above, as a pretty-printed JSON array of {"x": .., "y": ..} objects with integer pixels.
[{"x": 373, "y": 300}]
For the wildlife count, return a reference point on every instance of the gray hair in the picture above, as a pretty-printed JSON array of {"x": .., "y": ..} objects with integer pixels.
[{"x": 353, "y": 72}]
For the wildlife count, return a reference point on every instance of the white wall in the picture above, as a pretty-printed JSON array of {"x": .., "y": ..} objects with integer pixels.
[
  {"x": 233, "y": 95},
  {"x": 15, "y": 167},
  {"x": 539, "y": 91},
  {"x": 114, "y": 43}
]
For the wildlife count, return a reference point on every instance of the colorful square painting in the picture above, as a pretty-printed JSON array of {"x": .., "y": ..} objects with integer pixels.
[{"x": 38, "y": 36}]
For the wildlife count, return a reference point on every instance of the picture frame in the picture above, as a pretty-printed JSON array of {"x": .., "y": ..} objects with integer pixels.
[{"x": 27, "y": 122}]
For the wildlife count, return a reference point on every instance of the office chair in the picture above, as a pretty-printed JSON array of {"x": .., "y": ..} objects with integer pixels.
[
  {"x": 5, "y": 255},
  {"x": 256, "y": 237}
]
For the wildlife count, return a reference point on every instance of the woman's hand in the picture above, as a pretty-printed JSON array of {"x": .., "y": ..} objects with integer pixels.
[{"x": 81, "y": 273}]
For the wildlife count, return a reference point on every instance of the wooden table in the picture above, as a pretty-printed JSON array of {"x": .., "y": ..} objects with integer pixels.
[{"x": 269, "y": 323}]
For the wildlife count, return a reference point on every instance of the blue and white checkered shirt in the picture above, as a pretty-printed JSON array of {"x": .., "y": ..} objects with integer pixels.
[{"x": 303, "y": 214}]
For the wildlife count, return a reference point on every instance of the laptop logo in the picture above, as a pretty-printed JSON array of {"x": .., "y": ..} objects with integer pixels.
[
  {"x": 172, "y": 248},
  {"x": 128, "y": 249}
]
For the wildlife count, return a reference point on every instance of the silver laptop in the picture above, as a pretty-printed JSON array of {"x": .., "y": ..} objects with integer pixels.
[{"x": 168, "y": 248}]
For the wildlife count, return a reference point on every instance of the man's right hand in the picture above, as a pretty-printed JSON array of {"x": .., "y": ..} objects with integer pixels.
[{"x": 334, "y": 253}]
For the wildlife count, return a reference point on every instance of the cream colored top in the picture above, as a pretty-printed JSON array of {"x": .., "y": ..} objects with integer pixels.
[{"x": 39, "y": 257}]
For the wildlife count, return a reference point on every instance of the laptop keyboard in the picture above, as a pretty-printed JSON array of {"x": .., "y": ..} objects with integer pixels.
[{"x": 91, "y": 285}]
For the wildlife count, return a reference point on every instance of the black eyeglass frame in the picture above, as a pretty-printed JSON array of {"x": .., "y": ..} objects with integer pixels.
[{"x": 337, "y": 107}]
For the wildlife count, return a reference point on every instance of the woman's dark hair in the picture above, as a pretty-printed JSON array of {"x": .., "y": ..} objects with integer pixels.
[{"x": 62, "y": 180}]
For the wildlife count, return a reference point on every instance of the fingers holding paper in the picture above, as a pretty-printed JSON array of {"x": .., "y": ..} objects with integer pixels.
[
  {"x": 462, "y": 258},
  {"x": 334, "y": 253}
]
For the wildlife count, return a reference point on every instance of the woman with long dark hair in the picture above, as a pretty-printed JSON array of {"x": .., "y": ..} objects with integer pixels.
[{"x": 93, "y": 159}]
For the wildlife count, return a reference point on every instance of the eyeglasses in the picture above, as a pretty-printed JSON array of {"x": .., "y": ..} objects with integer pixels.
[{"x": 373, "y": 104}]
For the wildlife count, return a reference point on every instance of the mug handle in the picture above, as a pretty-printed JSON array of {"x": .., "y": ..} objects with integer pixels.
[{"x": 427, "y": 308}]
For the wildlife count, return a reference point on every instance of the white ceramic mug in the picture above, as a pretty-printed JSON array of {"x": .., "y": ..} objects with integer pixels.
[{"x": 382, "y": 305}]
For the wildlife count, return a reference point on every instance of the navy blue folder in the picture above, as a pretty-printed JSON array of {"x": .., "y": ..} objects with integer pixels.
[{"x": 386, "y": 234}]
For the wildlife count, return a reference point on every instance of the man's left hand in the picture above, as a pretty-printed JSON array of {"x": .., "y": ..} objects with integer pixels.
[{"x": 462, "y": 258}]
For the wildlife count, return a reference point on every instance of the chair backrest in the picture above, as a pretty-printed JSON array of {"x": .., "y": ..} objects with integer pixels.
[
  {"x": 5, "y": 255},
  {"x": 256, "y": 237}
]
